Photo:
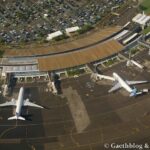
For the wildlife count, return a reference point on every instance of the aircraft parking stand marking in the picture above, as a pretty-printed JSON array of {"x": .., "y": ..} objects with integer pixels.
[
  {"x": 108, "y": 112},
  {"x": 77, "y": 108},
  {"x": 7, "y": 130}
]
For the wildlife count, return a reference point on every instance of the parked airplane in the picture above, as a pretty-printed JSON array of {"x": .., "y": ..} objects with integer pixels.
[
  {"x": 121, "y": 83},
  {"x": 19, "y": 103}
]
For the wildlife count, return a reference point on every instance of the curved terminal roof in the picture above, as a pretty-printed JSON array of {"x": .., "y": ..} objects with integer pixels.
[
  {"x": 76, "y": 44},
  {"x": 76, "y": 58},
  {"x": 90, "y": 48}
]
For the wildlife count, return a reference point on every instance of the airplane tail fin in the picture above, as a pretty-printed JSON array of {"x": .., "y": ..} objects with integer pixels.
[
  {"x": 135, "y": 92},
  {"x": 16, "y": 118}
]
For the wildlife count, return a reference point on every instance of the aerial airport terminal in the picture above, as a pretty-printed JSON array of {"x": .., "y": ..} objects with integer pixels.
[{"x": 74, "y": 75}]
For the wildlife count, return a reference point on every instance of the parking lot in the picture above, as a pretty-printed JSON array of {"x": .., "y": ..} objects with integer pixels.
[
  {"x": 84, "y": 117},
  {"x": 22, "y": 21}
]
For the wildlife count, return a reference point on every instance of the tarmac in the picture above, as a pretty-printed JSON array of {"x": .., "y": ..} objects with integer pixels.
[{"x": 83, "y": 117}]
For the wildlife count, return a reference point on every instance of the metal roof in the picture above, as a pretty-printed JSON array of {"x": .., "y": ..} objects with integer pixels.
[
  {"x": 72, "y": 29},
  {"x": 18, "y": 61},
  {"x": 142, "y": 19},
  {"x": 53, "y": 35},
  {"x": 81, "y": 57},
  {"x": 26, "y": 68}
]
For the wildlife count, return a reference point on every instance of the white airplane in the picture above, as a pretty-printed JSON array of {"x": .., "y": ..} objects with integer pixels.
[
  {"x": 19, "y": 103},
  {"x": 121, "y": 83}
]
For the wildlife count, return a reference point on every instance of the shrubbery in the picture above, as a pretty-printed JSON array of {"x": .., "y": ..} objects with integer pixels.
[{"x": 85, "y": 28}]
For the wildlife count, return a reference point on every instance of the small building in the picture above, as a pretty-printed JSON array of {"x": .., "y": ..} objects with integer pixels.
[
  {"x": 71, "y": 30},
  {"x": 53, "y": 35},
  {"x": 45, "y": 16},
  {"x": 141, "y": 19},
  {"x": 21, "y": 68}
]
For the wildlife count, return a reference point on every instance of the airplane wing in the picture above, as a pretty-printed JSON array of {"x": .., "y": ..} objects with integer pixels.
[
  {"x": 135, "y": 82},
  {"x": 28, "y": 103},
  {"x": 115, "y": 87},
  {"x": 11, "y": 103}
]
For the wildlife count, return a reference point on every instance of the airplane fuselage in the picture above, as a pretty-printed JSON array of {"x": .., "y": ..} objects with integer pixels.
[
  {"x": 122, "y": 82},
  {"x": 19, "y": 102}
]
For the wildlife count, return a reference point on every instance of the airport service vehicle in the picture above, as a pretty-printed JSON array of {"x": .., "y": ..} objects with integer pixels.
[
  {"x": 19, "y": 103},
  {"x": 120, "y": 83}
]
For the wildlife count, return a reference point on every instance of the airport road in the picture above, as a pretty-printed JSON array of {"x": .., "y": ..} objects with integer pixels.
[{"x": 108, "y": 118}]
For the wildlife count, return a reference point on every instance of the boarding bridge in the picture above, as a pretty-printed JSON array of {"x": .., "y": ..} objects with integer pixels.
[
  {"x": 95, "y": 77},
  {"x": 5, "y": 90},
  {"x": 54, "y": 83},
  {"x": 52, "y": 87},
  {"x": 145, "y": 44}
]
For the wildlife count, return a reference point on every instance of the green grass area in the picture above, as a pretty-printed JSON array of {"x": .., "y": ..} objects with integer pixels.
[
  {"x": 110, "y": 62},
  {"x": 85, "y": 28},
  {"x": 73, "y": 72},
  {"x": 1, "y": 53},
  {"x": 146, "y": 30},
  {"x": 145, "y": 6}
]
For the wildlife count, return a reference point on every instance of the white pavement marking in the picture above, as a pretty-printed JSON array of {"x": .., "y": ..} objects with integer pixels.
[{"x": 77, "y": 108}]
